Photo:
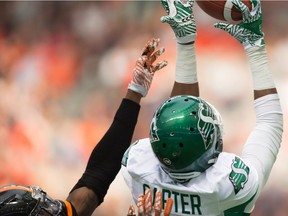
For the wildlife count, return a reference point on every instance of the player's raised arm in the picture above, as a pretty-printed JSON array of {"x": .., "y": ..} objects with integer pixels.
[
  {"x": 105, "y": 160},
  {"x": 181, "y": 19},
  {"x": 263, "y": 144},
  {"x": 249, "y": 34}
]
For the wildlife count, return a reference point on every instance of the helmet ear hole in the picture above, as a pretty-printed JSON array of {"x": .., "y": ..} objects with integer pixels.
[
  {"x": 193, "y": 112},
  {"x": 181, "y": 145},
  {"x": 192, "y": 129},
  {"x": 164, "y": 145}
]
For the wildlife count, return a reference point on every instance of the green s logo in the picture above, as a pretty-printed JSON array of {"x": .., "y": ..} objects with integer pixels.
[
  {"x": 239, "y": 174},
  {"x": 153, "y": 131}
]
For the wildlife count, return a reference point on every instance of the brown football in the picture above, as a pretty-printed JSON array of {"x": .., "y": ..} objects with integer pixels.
[{"x": 222, "y": 10}]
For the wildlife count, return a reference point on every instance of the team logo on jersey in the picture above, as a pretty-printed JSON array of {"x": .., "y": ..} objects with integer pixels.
[{"x": 239, "y": 174}]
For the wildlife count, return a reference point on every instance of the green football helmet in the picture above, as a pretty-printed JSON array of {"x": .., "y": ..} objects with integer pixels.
[{"x": 186, "y": 136}]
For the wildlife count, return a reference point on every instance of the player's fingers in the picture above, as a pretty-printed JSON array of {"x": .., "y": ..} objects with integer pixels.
[
  {"x": 221, "y": 25},
  {"x": 150, "y": 46},
  {"x": 140, "y": 205},
  {"x": 240, "y": 6},
  {"x": 165, "y": 5},
  {"x": 159, "y": 66},
  {"x": 229, "y": 28},
  {"x": 165, "y": 19},
  {"x": 131, "y": 211},
  {"x": 158, "y": 204},
  {"x": 191, "y": 2},
  {"x": 148, "y": 202},
  {"x": 146, "y": 47},
  {"x": 168, "y": 207},
  {"x": 155, "y": 55}
]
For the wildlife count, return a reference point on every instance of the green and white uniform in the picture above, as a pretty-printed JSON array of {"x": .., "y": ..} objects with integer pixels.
[{"x": 230, "y": 186}]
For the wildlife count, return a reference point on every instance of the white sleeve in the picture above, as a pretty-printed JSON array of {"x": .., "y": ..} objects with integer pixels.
[
  {"x": 127, "y": 177},
  {"x": 264, "y": 142}
]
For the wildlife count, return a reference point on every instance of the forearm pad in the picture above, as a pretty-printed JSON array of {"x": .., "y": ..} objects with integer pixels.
[
  {"x": 186, "y": 71},
  {"x": 258, "y": 61},
  {"x": 105, "y": 161}
]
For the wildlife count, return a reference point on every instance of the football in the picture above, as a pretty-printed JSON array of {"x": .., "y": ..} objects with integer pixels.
[{"x": 222, "y": 10}]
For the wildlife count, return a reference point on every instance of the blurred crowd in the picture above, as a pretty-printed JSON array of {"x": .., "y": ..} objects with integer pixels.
[{"x": 65, "y": 66}]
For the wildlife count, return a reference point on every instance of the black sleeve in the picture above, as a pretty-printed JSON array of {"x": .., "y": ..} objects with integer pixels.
[{"x": 105, "y": 160}]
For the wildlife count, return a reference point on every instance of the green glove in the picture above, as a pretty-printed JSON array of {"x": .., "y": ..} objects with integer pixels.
[
  {"x": 249, "y": 31},
  {"x": 181, "y": 19}
]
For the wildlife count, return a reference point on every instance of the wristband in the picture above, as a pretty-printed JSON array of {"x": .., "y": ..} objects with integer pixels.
[
  {"x": 138, "y": 88},
  {"x": 262, "y": 78},
  {"x": 186, "y": 71}
]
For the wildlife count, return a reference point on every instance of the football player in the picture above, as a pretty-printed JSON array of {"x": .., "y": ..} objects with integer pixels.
[
  {"x": 183, "y": 157},
  {"x": 104, "y": 162}
]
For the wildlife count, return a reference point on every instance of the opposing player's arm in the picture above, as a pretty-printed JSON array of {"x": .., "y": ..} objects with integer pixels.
[
  {"x": 84, "y": 200},
  {"x": 104, "y": 164}
]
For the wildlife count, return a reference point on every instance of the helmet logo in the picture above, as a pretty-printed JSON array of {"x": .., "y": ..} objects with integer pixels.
[
  {"x": 167, "y": 161},
  {"x": 153, "y": 131},
  {"x": 206, "y": 125}
]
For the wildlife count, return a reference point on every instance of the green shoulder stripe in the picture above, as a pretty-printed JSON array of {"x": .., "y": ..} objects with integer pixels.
[{"x": 239, "y": 210}]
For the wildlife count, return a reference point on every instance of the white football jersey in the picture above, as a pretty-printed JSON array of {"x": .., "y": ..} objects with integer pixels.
[
  {"x": 232, "y": 184},
  {"x": 228, "y": 183}
]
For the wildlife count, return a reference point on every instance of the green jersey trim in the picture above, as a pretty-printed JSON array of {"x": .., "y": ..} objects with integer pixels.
[{"x": 239, "y": 210}]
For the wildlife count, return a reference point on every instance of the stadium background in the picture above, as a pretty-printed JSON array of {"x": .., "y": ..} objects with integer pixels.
[{"x": 65, "y": 66}]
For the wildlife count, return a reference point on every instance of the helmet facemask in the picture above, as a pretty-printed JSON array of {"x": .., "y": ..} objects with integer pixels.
[{"x": 186, "y": 136}]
